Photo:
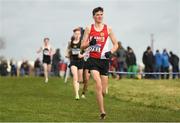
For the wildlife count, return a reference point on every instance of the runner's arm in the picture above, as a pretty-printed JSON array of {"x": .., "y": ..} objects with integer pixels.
[
  {"x": 67, "y": 55},
  {"x": 85, "y": 41},
  {"x": 40, "y": 49},
  {"x": 52, "y": 52},
  {"x": 114, "y": 41}
]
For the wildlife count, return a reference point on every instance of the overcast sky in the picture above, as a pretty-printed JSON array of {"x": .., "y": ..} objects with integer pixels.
[{"x": 24, "y": 23}]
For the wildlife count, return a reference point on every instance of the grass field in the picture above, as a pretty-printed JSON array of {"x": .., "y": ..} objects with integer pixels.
[{"x": 30, "y": 99}]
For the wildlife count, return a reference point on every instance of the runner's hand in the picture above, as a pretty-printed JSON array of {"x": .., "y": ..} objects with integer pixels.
[
  {"x": 92, "y": 42},
  {"x": 80, "y": 56},
  {"x": 108, "y": 54}
]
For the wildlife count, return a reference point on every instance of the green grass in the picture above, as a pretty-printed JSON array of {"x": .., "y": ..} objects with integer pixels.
[{"x": 30, "y": 99}]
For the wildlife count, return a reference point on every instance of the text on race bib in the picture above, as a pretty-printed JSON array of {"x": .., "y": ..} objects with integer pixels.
[
  {"x": 95, "y": 48},
  {"x": 75, "y": 51},
  {"x": 46, "y": 52}
]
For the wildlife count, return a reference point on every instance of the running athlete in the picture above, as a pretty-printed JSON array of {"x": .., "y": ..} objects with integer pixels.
[
  {"x": 47, "y": 54},
  {"x": 96, "y": 37},
  {"x": 76, "y": 60}
]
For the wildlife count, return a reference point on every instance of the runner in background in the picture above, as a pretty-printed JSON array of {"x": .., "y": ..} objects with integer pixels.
[
  {"x": 76, "y": 60},
  {"x": 47, "y": 56}
]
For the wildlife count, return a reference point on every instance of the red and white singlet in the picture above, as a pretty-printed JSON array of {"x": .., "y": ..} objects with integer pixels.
[{"x": 98, "y": 50}]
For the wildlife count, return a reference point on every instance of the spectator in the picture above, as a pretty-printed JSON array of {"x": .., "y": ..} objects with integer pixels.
[
  {"x": 113, "y": 65},
  {"x": 174, "y": 60},
  {"x": 131, "y": 63},
  {"x": 13, "y": 68},
  {"x": 165, "y": 64},
  {"x": 62, "y": 68},
  {"x": 24, "y": 69},
  {"x": 121, "y": 59},
  {"x": 37, "y": 67},
  {"x": 4, "y": 66},
  {"x": 148, "y": 60},
  {"x": 158, "y": 63},
  {"x": 55, "y": 62}
]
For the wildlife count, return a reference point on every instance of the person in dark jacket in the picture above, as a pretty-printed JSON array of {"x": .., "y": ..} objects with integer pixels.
[
  {"x": 37, "y": 67},
  {"x": 121, "y": 59},
  {"x": 174, "y": 60},
  {"x": 13, "y": 68},
  {"x": 148, "y": 60},
  {"x": 165, "y": 64},
  {"x": 131, "y": 63},
  {"x": 4, "y": 67},
  {"x": 25, "y": 68},
  {"x": 158, "y": 63},
  {"x": 55, "y": 62}
]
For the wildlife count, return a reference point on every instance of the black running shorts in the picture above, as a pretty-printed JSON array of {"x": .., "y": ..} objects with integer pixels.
[
  {"x": 77, "y": 63},
  {"x": 86, "y": 65},
  {"x": 101, "y": 65},
  {"x": 47, "y": 60}
]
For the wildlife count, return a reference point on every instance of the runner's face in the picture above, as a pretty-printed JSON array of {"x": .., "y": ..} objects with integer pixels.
[
  {"x": 98, "y": 17},
  {"x": 77, "y": 35},
  {"x": 46, "y": 42}
]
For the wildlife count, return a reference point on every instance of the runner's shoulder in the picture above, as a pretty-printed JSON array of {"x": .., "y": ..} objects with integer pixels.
[{"x": 109, "y": 29}]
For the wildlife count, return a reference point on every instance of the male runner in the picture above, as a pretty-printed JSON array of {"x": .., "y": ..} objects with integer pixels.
[{"x": 96, "y": 37}]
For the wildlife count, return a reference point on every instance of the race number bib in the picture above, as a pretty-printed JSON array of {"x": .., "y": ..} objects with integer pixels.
[
  {"x": 46, "y": 52},
  {"x": 95, "y": 48},
  {"x": 75, "y": 51}
]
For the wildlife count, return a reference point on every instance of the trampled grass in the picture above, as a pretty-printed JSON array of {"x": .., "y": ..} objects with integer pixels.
[{"x": 30, "y": 99}]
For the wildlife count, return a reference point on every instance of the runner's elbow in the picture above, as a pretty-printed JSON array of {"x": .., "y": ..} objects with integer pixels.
[
  {"x": 116, "y": 46},
  {"x": 83, "y": 46}
]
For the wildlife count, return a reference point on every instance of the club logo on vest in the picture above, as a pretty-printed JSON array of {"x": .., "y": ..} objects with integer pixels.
[{"x": 102, "y": 34}]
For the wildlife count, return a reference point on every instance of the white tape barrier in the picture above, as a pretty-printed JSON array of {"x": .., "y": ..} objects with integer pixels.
[{"x": 145, "y": 73}]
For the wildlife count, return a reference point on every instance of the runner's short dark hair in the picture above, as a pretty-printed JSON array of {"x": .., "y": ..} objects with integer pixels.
[
  {"x": 46, "y": 38},
  {"x": 77, "y": 29},
  {"x": 97, "y": 9}
]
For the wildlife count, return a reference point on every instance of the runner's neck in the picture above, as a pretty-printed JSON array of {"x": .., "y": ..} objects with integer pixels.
[
  {"x": 46, "y": 45},
  {"x": 76, "y": 41},
  {"x": 98, "y": 26}
]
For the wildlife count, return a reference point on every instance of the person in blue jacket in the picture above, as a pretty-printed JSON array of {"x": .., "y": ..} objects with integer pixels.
[
  {"x": 158, "y": 63},
  {"x": 165, "y": 64}
]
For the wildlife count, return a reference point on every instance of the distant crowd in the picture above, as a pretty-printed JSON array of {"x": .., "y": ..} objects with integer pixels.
[
  {"x": 156, "y": 65},
  {"x": 27, "y": 69},
  {"x": 122, "y": 64}
]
